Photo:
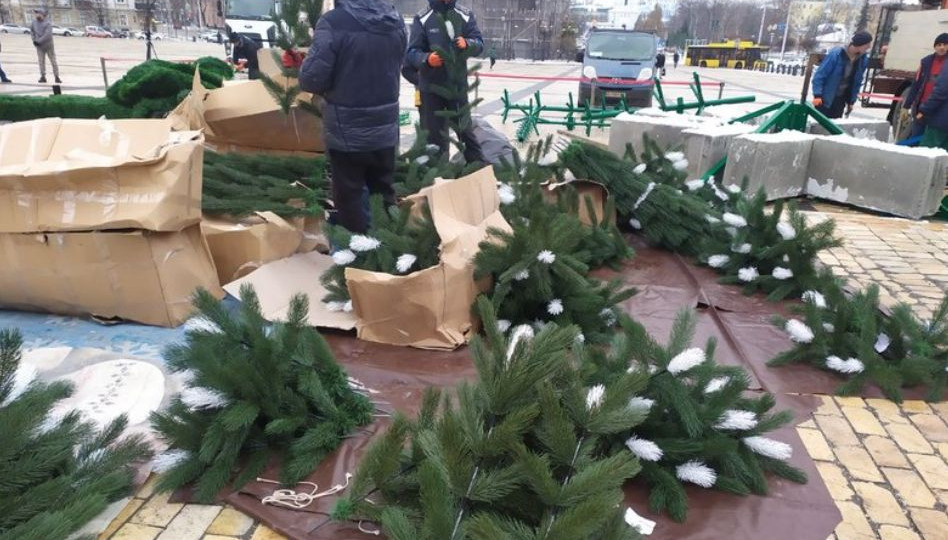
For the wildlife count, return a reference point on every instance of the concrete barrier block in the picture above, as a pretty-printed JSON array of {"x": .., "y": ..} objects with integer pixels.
[
  {"x": 859, "y": 128},
  {"x": 707, "y": 145},
  {"x": 664, "y": 130},
  {"x": 907, "y": 182},
  {"x": 776, "y": 162}
]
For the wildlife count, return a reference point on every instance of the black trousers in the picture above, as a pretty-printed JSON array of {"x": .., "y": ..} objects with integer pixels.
[
  {"x": 437, "y": 124},
  {"x": 352, "y": 173},
  {"x": 835, "y": 109}
]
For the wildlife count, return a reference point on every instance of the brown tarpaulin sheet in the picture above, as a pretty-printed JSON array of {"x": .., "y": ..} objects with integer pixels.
[{"x": 740, "y": 324}]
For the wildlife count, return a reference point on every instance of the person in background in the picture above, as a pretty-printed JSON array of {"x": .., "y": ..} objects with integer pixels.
[
  {"x": 426, "y": 34},
  {"x": 245, "y": 49},
  {"x": 675, "y": 58},
  {"x": 924, "y": 84},
  {"x": 3, "y": 76},
  {"x": 933, "y": 114},
  {"x": 492, "y": 55},
  {"x": 660, "y": 63},
  {"x": 42, "y": 33},
  {"x": 354, "y": 63},
  {"x": 837, "y": 81}
]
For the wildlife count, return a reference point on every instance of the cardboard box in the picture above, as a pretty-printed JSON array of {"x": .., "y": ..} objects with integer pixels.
[
  {"x": 82, "y": 175},
  {"x": 241, "y": 247},
  {"x": 245, "y": 115},
  {"x": 430, "y": 308},
  {"x": 147, "y": 277},
  {"x": 586, "y": 189}
]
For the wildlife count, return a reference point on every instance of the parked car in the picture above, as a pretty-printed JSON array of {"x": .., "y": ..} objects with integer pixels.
[
  {"x": 117, "y": 32},
  {"x": 210, "y": 37},
  {"x": 65, "y": 31},
  {"x": 155, "y": 36},
  {"x": 10, "y": 28},
  {"x": 96, "y": 31}
]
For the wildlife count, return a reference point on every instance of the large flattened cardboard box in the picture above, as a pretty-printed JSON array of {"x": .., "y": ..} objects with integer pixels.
[
  {"x": 101, "y": 218},
  {"x": 142, "y": 276},
  {"x": 429, "y": 308},
  {"x": 83, "y": 175},
  {"x": 245, "y": 117}
]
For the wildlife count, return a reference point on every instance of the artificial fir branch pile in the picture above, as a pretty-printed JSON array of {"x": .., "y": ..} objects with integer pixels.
[
  {"x": 850, "y": 336},
  {"x": 255, "y": 390},
  {"x": 417, "y": 167},
  {"x": 240, "y": 184},
  {"x": 665, "y": 215},
  {"x": 539, "y": 269},
  {"x": 702, "y": 426},
  {"x": 514, "y": 456},
  {"x": 760, "y": 251},
  {"x": 401, "y": 240},
  {"x": 55, "y": 475}
]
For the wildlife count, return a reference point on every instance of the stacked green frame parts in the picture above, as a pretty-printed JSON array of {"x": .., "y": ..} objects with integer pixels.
[
  {"x": 700, "y": 104},
  {"x": 788, "y": 115},
  {"x": 588, "y": 116},
  {"x": 573, "y": 114}
]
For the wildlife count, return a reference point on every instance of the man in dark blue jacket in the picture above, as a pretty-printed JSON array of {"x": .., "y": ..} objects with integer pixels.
[
  {"x": 245, "y": 50},
  {"x": 934, "y": 114},
  {"x": 837, "y": 81},
  {"x": 354, "y": 64},
  {"x": 427, "y": 34}
]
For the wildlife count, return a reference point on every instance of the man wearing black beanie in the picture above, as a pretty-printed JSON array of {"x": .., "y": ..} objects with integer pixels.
[
  {"x": 837, "y": 81},
  {"x": 924, "y": 84}
]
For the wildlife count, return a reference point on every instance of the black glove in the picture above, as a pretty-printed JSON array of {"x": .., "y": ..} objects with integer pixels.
[{"x": 36, "y": 44}]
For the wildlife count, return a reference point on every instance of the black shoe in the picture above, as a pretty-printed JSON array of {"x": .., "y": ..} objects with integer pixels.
[
  {"x": 58, "y": 81},
  {"x": 6, "y": 81},
  {"x": 42, "y": 79}
]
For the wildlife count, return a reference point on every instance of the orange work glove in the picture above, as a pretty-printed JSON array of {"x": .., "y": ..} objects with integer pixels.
[
  {"x": 817, "y": 102},
  {"x": 434, "y": 60},
  {"x": 461, "y": 43}
]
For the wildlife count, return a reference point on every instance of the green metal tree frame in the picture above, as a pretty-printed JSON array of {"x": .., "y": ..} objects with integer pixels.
[{"x": 588, "y": 116}]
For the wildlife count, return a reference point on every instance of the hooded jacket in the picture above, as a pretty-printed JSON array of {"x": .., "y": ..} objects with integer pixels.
[
  {"x": 42, "y": 32},
  {"x": 354, "y": 63},
  {"x": 426, "y": 34}
]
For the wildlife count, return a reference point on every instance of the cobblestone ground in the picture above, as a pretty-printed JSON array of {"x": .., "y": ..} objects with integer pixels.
[{"x": 885, "y": 464}]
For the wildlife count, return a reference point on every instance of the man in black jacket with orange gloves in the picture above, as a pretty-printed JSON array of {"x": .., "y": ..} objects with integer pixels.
[
  {"x": 354, "y": 63},
  {"x": 427, "y": 33}
]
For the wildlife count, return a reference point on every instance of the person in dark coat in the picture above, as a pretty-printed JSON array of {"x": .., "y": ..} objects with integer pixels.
[
  {"x": 246, "y": 49},
  {"x": 426, "y": 34},
  {"x": 3, "y": 76},
  {"x": 660, "y": 63},
  {"x": 675, "y": 58},
  {"x": 837, "y": 82},
  {"x": 933, "y": 113},
  {"x": 492, "y": 55},
  {"x": 354, "y": 63},
  {"x": 924, "y": 84}
]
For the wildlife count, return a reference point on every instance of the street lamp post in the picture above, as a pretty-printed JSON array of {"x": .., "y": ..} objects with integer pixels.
[
  {"x": 786, "y": 28},
  {"x": 763, "y": 17}
]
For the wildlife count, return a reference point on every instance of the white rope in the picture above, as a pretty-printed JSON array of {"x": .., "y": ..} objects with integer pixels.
[
  {"x": 289, "y": 498},
  {"x": 645, "y": 194}
]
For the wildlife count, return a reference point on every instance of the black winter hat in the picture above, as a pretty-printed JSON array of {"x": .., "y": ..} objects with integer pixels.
[
  {"x": 942, "y": 38},
  {"x": 861, "y": 38}
]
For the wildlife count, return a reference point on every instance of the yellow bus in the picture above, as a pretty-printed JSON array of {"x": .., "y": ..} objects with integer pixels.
[{"x": 734, "y": 54}]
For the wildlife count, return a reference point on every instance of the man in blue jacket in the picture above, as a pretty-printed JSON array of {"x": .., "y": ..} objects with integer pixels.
[
  {"x": 426, "y": 34},
  {"x": 354, "y": 63},
  {"x": 837, "y": 81}
]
